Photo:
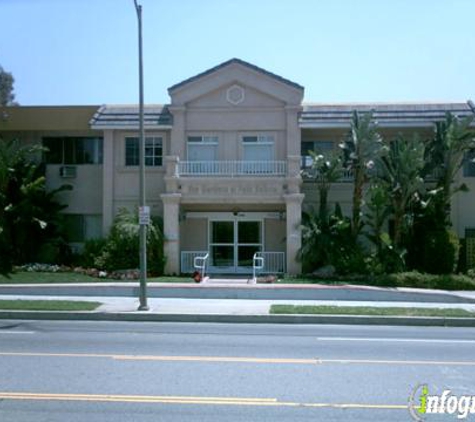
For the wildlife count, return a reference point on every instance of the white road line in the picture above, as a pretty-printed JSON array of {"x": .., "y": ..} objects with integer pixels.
[
  {"x": 17, "y": 332},
  {"x": 396, "y": 340}
]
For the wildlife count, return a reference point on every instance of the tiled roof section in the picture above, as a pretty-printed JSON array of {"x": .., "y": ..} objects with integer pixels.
[
  {"x": 385, "y": 114},
  {"x": 127, "y": 117},
  {"x": 241, "y": 62}
]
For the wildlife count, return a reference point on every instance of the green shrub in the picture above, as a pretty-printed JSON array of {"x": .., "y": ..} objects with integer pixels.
[
  {"x": 428, "y": 281},
  {"x": 435, "y": 251},
  {"x": 121, "y": 250},
  {"x": 92, "y": 249}
]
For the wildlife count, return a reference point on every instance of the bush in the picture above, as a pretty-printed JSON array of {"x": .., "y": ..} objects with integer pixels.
[
  {"x": 328, "y": 241},
  {"x": 435, "y": 252},
  {"x": 121, "y": 250},
  {"x": 92, "y": 249},
  {"x": 428, "y": 281}
]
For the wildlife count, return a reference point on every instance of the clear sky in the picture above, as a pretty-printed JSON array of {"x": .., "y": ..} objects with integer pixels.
[{"x": 85, "y": 51}]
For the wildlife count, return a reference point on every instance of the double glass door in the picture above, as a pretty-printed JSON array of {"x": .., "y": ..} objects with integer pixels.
[{"x": 233, "y": 244}]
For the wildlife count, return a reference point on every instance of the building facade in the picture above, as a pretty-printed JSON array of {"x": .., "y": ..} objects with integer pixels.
[{"x": 223, "y": 163}]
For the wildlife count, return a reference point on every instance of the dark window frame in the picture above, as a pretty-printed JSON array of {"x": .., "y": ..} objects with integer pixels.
[
  {"x": 153, "y": 151},
  {"x": 73, "y": 150}
]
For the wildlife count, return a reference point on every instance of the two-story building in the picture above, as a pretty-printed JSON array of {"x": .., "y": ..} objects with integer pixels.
[{"x": 223, "y": 163}]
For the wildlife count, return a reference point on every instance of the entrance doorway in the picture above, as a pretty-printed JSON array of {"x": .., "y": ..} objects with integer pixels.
[{"x": 233, "y": 244}]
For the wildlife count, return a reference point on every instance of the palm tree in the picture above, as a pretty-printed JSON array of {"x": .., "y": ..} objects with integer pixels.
[
  {"x": 445, "y": 154},
  {"x": 326, "y": 169},
  {"x": 399, "y": 171},
  {"x": 361, "y": 148}
]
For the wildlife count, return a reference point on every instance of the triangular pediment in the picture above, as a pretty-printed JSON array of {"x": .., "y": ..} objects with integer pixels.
[{"x": 236, "y": 73}]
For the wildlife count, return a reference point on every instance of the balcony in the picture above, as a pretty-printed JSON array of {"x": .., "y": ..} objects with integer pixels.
[
  {"x": 250, "y": 181},
  {"x": 231, "y": 168}
]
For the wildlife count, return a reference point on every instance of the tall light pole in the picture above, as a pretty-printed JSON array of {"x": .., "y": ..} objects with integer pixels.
[{"x": 144, "y": 211}]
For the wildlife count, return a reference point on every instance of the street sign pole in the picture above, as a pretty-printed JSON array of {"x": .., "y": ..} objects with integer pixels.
[{"x": 142, "y": 221}]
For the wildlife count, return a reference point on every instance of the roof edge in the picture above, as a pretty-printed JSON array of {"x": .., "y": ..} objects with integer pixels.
[{"x": 240, "y": 62}]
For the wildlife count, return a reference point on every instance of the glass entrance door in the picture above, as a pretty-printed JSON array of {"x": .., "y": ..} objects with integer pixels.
[{"x": 233, "y": 244}]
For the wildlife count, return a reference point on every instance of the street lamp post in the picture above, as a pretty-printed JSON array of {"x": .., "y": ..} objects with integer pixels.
[{"x": 143, "y": 210}]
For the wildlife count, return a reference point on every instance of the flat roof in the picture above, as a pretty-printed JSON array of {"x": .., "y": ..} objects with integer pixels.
[{"x": 19, "y": 118}]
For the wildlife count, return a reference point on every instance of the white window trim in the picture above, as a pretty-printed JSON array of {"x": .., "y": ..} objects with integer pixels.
[{"x": 213, "y": 140}]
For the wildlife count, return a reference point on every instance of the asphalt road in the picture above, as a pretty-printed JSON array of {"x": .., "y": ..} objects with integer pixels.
[{"x": 109, "y": 371}]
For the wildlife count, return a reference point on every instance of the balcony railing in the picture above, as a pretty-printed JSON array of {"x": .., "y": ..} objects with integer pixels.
[{"x": 232, "y": 168}]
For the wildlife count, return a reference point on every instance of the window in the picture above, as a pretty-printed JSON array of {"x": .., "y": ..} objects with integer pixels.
[
  {"x": 314, "y": 146},
  {"x": 153, "y": 151},
  {"x": 258, "y": 148},
  {"x": 470, "y": 247},
  {"x": 202, "y": 148},
  {"x": 80, "y": 228},
  {"x": 73, "y": 150},
  {"x": 469, "y": 164}
]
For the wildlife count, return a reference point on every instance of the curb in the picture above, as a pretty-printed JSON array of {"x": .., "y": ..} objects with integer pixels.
[{"x": 242, "y": 319}]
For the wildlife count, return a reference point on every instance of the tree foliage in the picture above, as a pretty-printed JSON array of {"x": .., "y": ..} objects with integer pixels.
[
  {"x": 7, "y": 97},
  {"x": 399, "y": 172},
  {"x": 30, "y": 219},
  {"x": 361, "y": 147},
  {"x": 444, "y": 158},
  {"x": 121, "y": 249},
  {"x": 407, "y": 219}
]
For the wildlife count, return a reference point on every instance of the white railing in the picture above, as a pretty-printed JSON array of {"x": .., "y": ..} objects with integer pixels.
[
  {"x": 257, "y": 264},
  {"x": 273, "y": 262},
  {"x": 190, "y": 258},
  {"x": 199, "y": 263},
  {"x": 232, "y": 168}
]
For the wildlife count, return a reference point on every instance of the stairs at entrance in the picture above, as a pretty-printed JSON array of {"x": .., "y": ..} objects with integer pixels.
[{"x": 228, "y": 280}]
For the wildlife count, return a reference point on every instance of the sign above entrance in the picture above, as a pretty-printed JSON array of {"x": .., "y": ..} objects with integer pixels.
[{"x": 236, "y": 215}]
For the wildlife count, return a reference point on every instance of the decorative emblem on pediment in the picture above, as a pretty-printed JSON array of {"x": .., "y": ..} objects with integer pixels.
[{"x": 235, "y": 94}]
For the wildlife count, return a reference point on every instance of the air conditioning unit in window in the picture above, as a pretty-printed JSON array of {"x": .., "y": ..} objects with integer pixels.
[{"x": 67, "y": 172}]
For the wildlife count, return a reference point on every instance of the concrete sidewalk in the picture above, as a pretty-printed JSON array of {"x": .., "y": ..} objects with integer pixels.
[
  {"x": 227, "y": 306},
  {"x": 237, "y": 302},
  {"x": 233, "y": 311}
]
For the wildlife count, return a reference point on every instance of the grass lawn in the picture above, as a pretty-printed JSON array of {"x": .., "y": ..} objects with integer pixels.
[
  {"x": 170, "y": 279},
  {"x": 27, "y": 277},
  {"x": 47, "y": 305},
  {"x": 367, "y": 310}
]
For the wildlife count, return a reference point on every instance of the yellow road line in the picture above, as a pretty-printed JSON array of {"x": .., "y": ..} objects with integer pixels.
[
  {"x": 240, "y": 359},
  {"x": 219, "y": 401}
]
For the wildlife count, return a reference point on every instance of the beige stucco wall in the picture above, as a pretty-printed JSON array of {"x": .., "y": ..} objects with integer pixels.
[
  {"x": 121, "y": 182},
  {"x": 194, "y": 234},
  {"x": 463, "y": 207},
  {"x": 86, "y": 196},
  {"x": 274, "y": 235}
]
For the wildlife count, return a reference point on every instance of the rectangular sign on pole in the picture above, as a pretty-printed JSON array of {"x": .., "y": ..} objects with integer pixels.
[{"x": 144, "y": 215}]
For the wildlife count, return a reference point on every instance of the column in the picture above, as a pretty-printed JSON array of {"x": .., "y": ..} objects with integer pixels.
[
  {"x": 293, "y": 204},
  {"x": 177, "y": 137},
  {"x": 107, "y": 182},
  {"x": 293, "y": 129},
  {"x": 171, "y": 232}
]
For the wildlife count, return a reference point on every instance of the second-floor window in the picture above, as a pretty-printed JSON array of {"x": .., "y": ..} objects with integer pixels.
[
  {"x": 258, "y": 148},
  {"x": 314, "y": 146},
  {"x": 73, "y": 150},
  {"x": 469, "y": 164},
  {"x": 202, "y": 148},
  {"x": 153, "y": 151}
]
